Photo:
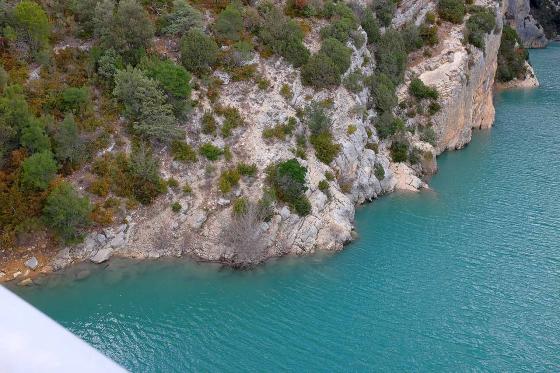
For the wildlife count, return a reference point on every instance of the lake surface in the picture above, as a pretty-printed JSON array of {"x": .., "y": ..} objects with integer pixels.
[{"x": 465, "y": 277}]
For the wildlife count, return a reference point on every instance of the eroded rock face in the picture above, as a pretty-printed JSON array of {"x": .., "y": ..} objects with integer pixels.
[
  {"x": 464, "y": 78},
  {"x": 517, "y": 15}
]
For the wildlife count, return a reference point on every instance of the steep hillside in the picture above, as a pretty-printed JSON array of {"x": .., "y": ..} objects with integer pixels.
[{"x": 238, "y": 133}]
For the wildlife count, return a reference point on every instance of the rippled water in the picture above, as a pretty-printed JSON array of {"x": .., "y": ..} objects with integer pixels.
[{"x": 464, "y": 277}]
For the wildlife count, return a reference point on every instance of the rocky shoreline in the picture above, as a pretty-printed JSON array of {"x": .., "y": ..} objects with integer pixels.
[{"x": 464, "y": 78}]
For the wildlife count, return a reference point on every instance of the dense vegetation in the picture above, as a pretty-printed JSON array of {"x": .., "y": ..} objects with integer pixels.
[{"x": 511, "y": 57}]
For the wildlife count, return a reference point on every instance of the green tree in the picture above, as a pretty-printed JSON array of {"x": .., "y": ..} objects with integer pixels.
[
  {"x": 38, "y": 170},
  {"x": 391, "y": 56},
  {"x": 181, "y": 19},
  {"x": 174, "y": 79},
  {"x": 370, "y": 24},
  {"x": 287, "y": 178},
  {"x": 84, "y": 13},
  {"x": 144, "y": 170},
  {"x": 283, "y": 36},
  {"x": 385, "y": 10},
  {"x": 383, "y": 93},
  {"x": 32, "y": 24},
  {"x": 198, "y": 51},
  {"x": 229, "y": 24},
  {"x": 127, "y": 29},
  {"x": 34, "y": 137},
  {"x": 66, "y": 212},
  {"x": 68, "y": 143},
  {"x": 145, "y": 105}
]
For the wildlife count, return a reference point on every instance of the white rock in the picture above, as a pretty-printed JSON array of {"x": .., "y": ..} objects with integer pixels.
[
  {"x": 17, "y": 274},
  {"x": 32, "y": 263},
  {"x": 223, "y": 202},
  {"x": 118, "y": 241},
  {"x": 102, "y": 255}
]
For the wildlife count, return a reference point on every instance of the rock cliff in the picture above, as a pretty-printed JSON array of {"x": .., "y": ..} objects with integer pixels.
[
  {"x": 517, "y": 14},
  {"x": 464, "y": 78}
]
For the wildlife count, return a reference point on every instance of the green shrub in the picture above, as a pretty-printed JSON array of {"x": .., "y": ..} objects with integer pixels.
[
  {"x": 428, "y": 33},
  {"x": 411, "y": 37},
  {"x": 428, "y": 135},
  {"x": 286, "y": 92},
  {"x": 481, "y": 22},
  {"x": 383, "y": 93},
  {"x": 339, "y": 53},
  {"x": 240, "y": 206},
  {"x": 172, "y": 183},
  {"x": 182, "y": 151},
  {"x": 66, "y": 212},
  {"x": 320, "y": 72},
  {"x": 263, "y": 84},
  {"x": 323, "y": 185},
  {"x": 74, "y": 99},
  {"x": 434, "y": 107},
  {"x": 326, "y": 149},
  {"x": 421, "y": 91},
  {"x": 34, "y": 138},
  {"x": 339, "y": 29},
  {"x": 173, "y": 79},
  {"x": 399, "y": 151},
  {"x": 317, "y": 119},
  {"x": 245, "y": 169},
  {"x": 229, "y": 179},
  {"x": 329, "y": 176},
  {"x": 181, "y": 19},
  {"x": 280, "y": 131},
  {"x": 176, "y": 207},
  {"x": 198, "y": 51},
  {"x": 354, "y": 81},
  {"x": 187, "y": 189},
  {"x": 229, "y": 24},
  {"x": 68, "y": 145},
  {"x": 283, "y": 36},
  {"x": 38, "y": 170},
  {"x": 325, "y": 68},
  {"x": 232, "y": 119},
  {"x": 379, "y": 171},
  {"x": 210, "y": 151},
  {"x": 387, "y": 125},
  {"x": 208, "y": 123},
  {"x": 451, "y": 10},
  {"x": 288, "y": 181},
  {"x": 373, "y": 146},
  {"x": 511, "y": 57},
  {"x": 391, "y": 56},
  {"x": 385, "y": 10},
  {"x": 370, "y": 24}
]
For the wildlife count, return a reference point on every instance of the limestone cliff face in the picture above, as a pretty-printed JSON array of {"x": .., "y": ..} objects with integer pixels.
[
  {"x": 517, "y": 15},
  {"x": 464, "y": 77}
]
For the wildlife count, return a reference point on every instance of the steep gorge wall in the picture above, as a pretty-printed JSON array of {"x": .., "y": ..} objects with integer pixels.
[{"x": 464, "y": 77}]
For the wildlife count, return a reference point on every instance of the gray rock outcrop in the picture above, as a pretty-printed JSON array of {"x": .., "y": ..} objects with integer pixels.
[{"x": 518, "y": 15}]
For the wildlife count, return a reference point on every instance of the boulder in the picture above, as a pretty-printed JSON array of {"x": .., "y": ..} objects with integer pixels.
[
  {"x": 32, "y": 263},
  {"x": 25, "y": 282},
  {"x": 102, "y": 255},
  {"x": 118, "y": 241}
]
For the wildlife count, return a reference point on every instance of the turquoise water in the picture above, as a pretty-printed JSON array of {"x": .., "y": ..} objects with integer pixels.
[{"x": 462, "y": 278}]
